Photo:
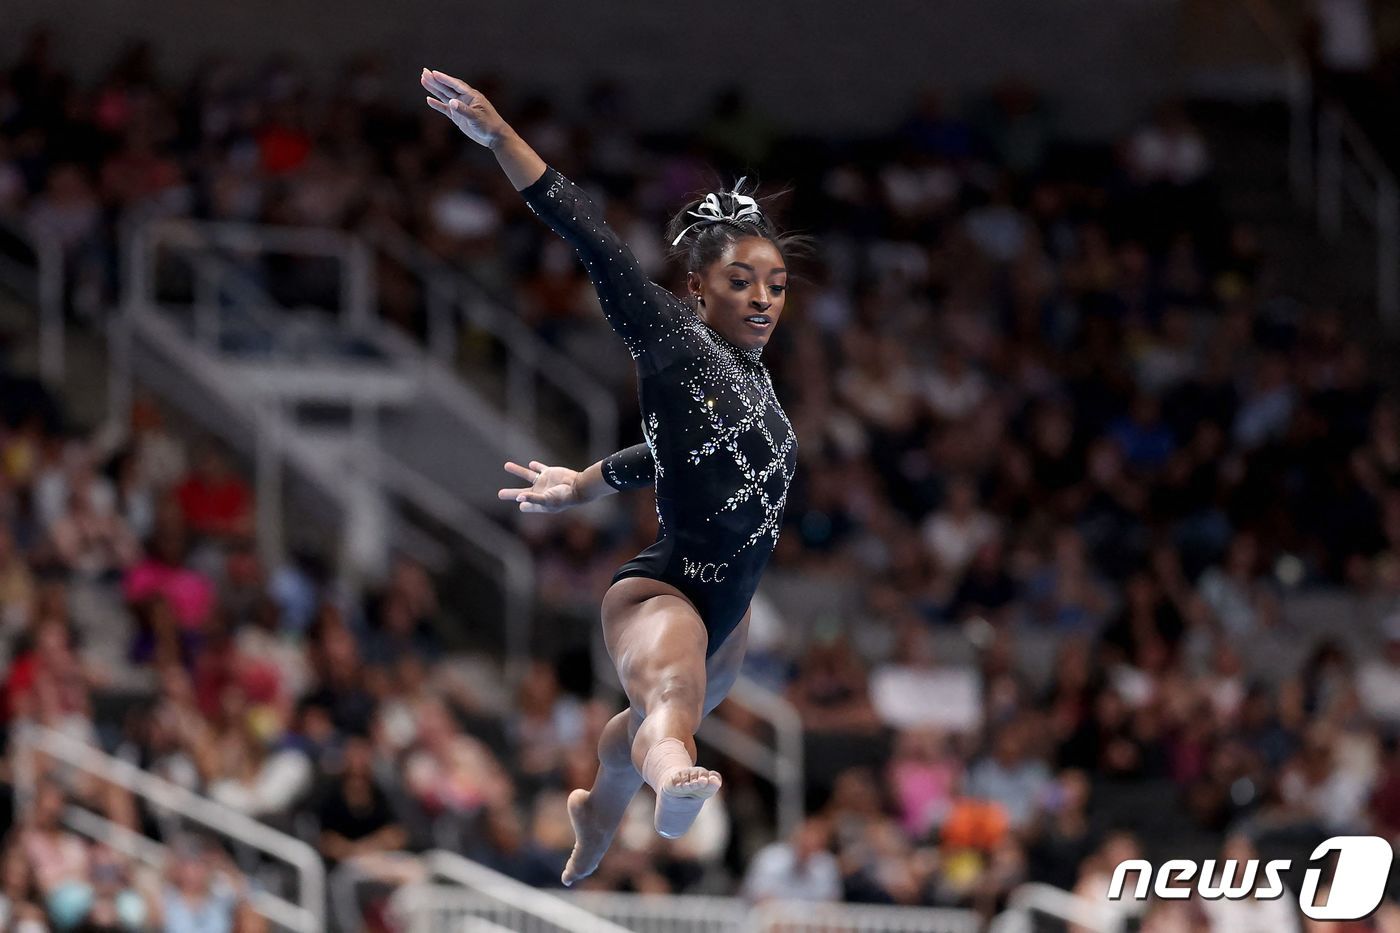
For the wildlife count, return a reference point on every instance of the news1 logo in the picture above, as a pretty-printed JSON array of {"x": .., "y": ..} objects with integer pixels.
[{"x": 1358, "y": 884}]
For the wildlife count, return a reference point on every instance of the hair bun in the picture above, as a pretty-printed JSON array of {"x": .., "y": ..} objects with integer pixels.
[{"x": 712, "y": 210}]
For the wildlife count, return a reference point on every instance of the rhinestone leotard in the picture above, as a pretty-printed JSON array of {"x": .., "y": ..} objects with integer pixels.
[{"x": 722, "y": 452}]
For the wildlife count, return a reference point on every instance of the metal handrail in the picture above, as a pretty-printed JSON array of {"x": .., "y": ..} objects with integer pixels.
[
  {"x": 132, "y": 844},
  {"x": 454, "y": 296},
  {"x": 1036, "y": 898},
  {"x": 1343, "y": 150},
  {"x": 311, "y": 875},
  {"x": 276, "y": 444},
  {"x": 45, "y": 283},
  {"x": 517, "y": 563},
  {"x": 1346, "y": 155},
  {"x": 790, "y": 916},
  {"x": 414, "y": 901},
  {"x": 707, "y": 913},
  {"x": 787, "y": 753}
]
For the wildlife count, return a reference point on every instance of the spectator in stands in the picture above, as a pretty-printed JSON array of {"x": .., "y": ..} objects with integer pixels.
[
  {"x": 545, "y": 724},
  {"x": 1319, "y": 787},
  {"x": 1065, "y": 592},
  {"x": 59, "y": 859},
  {"x": 801, "y": 868},
  {"x": 47, "y": 681},
  {"x": 341, "y": 684},
  {"x": 1241, "y": 597},
  {"x": 956, "y": 531},
  {"x": 90, "y": 543},
  {"x": 160, "y": 640},
  {"x": 202, "y": 890},
  {"x": 507, "y": 848},
  {"x": 1249, "y": 914},
  {"x": 1378, "y": 677},
  {"x": 250, "y": 777},
  {"x": 215, "y": 500},
  {"x": 354, "y": 813},
  {"x": 1063, "y": 836},
  {"x": 21, "y": 901},
  {"x": 830, "y": 690},
  {"x": 922, "y": 777},
  {"x": 18, "y": 591},
  {"x": 1010, "y": 776},
  {"x": 272, "y": 657},
  {"x": 449, "y": 772},
  {"x": 164, "y": 572},
  {"x": 1096, "y": 875},
  {"x": 70, "y": 478},
  {"x": 117, "y": 903}
]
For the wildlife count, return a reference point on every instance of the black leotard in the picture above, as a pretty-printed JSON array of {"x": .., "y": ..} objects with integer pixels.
[{"x": 723, "y": 451}]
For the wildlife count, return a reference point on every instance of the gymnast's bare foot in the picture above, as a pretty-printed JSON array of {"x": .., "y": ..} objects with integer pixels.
[
  {"x": 590, "y": 844},
  {"x": 681, "y": 795}
]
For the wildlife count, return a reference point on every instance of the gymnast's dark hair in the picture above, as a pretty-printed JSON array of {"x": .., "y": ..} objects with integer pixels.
[{"x": 706, "y": 240}]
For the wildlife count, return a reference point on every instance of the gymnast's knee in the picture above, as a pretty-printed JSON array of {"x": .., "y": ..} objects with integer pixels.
[{"x": 677, "y": 693}]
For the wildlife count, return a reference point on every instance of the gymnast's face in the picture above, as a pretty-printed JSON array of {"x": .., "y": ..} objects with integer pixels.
[{"x": 742, "y": 292}]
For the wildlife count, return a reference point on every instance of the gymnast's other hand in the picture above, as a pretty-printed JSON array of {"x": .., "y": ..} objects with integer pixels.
[
  {"x": 466, "y": 106},
  {"x": 552, "y": 488}
]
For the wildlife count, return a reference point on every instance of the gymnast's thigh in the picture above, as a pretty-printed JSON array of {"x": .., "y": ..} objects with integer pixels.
[{"x": 655, "y": 637}]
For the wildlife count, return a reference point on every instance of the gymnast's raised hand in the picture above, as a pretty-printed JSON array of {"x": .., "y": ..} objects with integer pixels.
[{"x": 467, "y": 107}]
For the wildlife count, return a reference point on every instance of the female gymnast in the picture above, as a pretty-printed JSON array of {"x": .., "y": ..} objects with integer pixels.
[{"x": 719, "y": 451}]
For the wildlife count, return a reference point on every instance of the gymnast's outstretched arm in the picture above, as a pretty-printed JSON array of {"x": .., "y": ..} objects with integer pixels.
[
  {"x": 554, "y": 489},
  {"x": 639, "y": 310}
]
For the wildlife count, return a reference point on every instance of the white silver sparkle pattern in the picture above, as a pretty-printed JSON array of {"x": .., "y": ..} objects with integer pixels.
[{"x": 721, "y": 395}]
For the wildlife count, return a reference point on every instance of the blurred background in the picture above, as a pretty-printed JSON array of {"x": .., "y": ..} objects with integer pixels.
[{"x": 1093, "y": 552}]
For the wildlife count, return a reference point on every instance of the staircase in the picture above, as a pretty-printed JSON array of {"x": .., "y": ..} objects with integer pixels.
[
  {"x": 1248, "y": 145},
  {"x": 1297, "y": 168},
  {"x": 347, "y": 423}
]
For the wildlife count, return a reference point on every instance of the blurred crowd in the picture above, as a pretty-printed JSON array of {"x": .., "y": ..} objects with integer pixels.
[{"x": 1047, "y": 403}]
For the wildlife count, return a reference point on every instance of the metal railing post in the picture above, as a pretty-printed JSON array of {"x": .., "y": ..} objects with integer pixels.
[
  {"x": 788, "y": 748},
  {"x": 206, "y": 305},
  {"x": 1388, "y": 252},
  {"x": 520, "y": 394},
  {"x": 268, "y": 454},
  {"x": 166, "y": 795},
  {"x": 51, "y": 279},
  {"x": 357, "y": 286},
  {"x": 1300, "y": 132},
  {"x": 442, "y": 328},
  {"x": 1329, "y": 173}
]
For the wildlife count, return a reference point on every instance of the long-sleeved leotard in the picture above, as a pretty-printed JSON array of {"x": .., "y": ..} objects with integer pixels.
[
  {"x": 724, "y": 452},
  {"x": 632, "y": 468}
]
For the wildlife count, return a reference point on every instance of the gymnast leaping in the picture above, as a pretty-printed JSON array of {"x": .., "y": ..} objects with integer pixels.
[{"x": 719, "y": 451}]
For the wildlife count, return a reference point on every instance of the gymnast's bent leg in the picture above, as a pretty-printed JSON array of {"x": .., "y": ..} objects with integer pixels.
[
  {"x": 658, "y": 643},
  {"x": 596, "y": 813}
]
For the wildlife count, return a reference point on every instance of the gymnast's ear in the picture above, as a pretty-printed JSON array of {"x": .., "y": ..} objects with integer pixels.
[{"x": 692, "y": 285}]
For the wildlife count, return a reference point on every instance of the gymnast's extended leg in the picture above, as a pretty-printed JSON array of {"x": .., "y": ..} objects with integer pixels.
[
  {"x": 659, "y": 645},
  {"x": 596, "y": 813}
]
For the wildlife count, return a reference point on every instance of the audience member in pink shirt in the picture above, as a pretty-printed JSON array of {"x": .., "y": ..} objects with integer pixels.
[
  {"x": 163, "y": 573},
  {"x": 922, "y": 778}
]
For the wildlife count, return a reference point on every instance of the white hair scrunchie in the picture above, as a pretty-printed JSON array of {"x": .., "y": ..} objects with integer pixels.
[{"x": 710, "y": 212}]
